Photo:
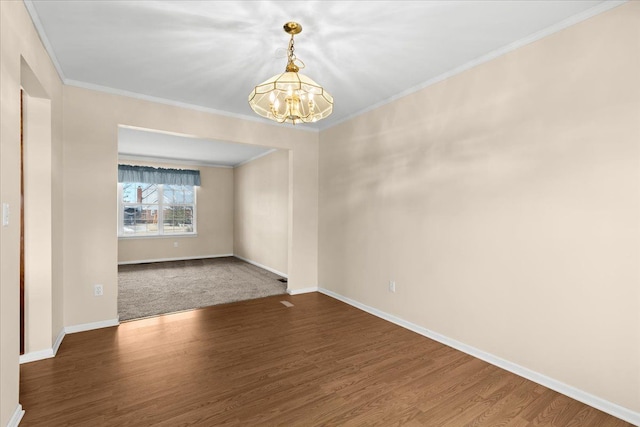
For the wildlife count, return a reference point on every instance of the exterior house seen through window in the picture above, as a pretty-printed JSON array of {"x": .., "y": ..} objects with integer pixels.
[{"x": 156, "y": 209}]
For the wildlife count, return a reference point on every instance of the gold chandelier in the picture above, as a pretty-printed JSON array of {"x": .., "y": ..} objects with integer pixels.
[{"x": 291, "y": 97}]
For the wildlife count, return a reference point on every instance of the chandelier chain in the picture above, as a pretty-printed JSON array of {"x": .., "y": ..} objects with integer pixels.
[
  {"x": 292, "y": 56},
  {"x": 293, "y": 62}
]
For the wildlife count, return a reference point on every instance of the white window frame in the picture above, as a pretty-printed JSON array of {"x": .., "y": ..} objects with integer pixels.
[{"x": 161, "y": 207}]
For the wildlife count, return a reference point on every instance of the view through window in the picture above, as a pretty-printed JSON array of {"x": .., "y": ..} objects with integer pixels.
[{"x": 156, "y": 209}]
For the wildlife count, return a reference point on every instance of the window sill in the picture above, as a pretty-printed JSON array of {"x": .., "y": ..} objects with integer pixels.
[{"x": 163, "y": 236}]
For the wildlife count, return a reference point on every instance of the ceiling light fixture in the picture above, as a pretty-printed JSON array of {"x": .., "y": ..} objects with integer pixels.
[{"x": 291, "y": 97}]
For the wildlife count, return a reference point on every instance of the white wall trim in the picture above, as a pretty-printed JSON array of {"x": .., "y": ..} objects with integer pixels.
[
  {"x": 181, "y": 104},
  {"x": 302, "y": 291},
  {"x": 574, "y": 393},
  {"x": 90, "y": 326},
  {"x": 59, "y": 338},
  {"x": 264, "y": 267},
  {"x": 34, "y": 356},
  {"x": 572, "y": 20},
  {"x": 48, "y": 353},
  {"x": 43, "y": 37},
  {"x": 16, "y": 417},
  {"x": 186, "y": 258}
]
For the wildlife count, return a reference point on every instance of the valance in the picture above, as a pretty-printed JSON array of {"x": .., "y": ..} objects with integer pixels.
[{"x": 149, "y": 175}]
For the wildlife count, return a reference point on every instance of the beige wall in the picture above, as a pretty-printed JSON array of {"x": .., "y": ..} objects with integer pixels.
[
  {"x": 505, "y": 203},
  {"x": 18, "y": 39},
  {"x": 507, "y": 211},
  {"x": 214, "y": 217},
  {"x": 37, "y": 223},
  {"x": 261, "y": 211},
  {"x": 84, "y": 247},
  {"x": 90, "y": 124}
]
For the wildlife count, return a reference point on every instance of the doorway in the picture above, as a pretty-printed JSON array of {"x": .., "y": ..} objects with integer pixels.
[
  {"x": 36, "y": 218},
  {"x": 241, "y": 221}
]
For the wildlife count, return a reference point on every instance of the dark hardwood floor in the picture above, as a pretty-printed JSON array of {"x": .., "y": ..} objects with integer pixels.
[{"x": 253, "y": 363}]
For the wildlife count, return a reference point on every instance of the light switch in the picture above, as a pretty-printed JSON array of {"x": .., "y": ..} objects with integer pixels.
[{"x": 5, "y": 214}]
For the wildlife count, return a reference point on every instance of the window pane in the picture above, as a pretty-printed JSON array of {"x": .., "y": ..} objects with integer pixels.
[
  {"x": 139, "y": 192},
  {"x": 140, "y": 220},
  {"x": 178, "y": 219},
  {"x": 178, "y": 194}
]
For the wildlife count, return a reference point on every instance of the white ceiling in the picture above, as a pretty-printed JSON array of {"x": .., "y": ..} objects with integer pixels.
[{"x": 209, "y": 54}]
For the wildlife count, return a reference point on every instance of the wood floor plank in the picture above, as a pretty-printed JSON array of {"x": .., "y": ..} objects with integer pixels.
[{"x": 320, "y": 362}]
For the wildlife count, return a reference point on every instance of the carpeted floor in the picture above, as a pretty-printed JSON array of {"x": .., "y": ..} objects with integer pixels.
[{"x": 165, "y": 287}]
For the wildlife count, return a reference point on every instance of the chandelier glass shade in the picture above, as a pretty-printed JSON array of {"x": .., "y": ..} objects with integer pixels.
[{"x": 291, "y": 97}]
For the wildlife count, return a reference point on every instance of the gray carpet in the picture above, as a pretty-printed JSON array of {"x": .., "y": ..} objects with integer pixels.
[{"x": 165, "y": 287}]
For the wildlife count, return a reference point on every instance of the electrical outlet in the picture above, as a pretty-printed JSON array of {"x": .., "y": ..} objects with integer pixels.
[
  {"x": 98, "y": 290},
  {"x": 175, "y": 244},
  {"x": 392, "y": 286}
]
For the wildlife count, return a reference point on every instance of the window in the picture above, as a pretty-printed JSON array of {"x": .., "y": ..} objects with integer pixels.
[
  {"x": 178, "y": 209},
  {"x": 156, "y": 202},
  {"x": 156, "y": 209}
]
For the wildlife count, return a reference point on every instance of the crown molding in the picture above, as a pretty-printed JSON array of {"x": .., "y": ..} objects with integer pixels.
[
  {"x": 43, "y": 37},
  {"x": 320, "y": 126},
  {"x": 42, "y": 34},
  {"x": 180, "y": 104},
  {"x": 568, "y": 22}
]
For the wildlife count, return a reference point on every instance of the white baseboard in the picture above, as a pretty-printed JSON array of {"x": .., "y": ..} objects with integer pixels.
[
  {"x": 264, "y": 267},
  {"x": 302, "y": 291},
  {"x": 51, "y": 352},
  {"x": 574, "y": 393},
  {"x": 186, "y": 258},
  {"x": 90, "y": 326},
  {"x": 34, "y": 356},
  {"x": 56, "y": 344},
  {"x": 43, "y": 354},
  {"x": 16, "y": 417}
]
